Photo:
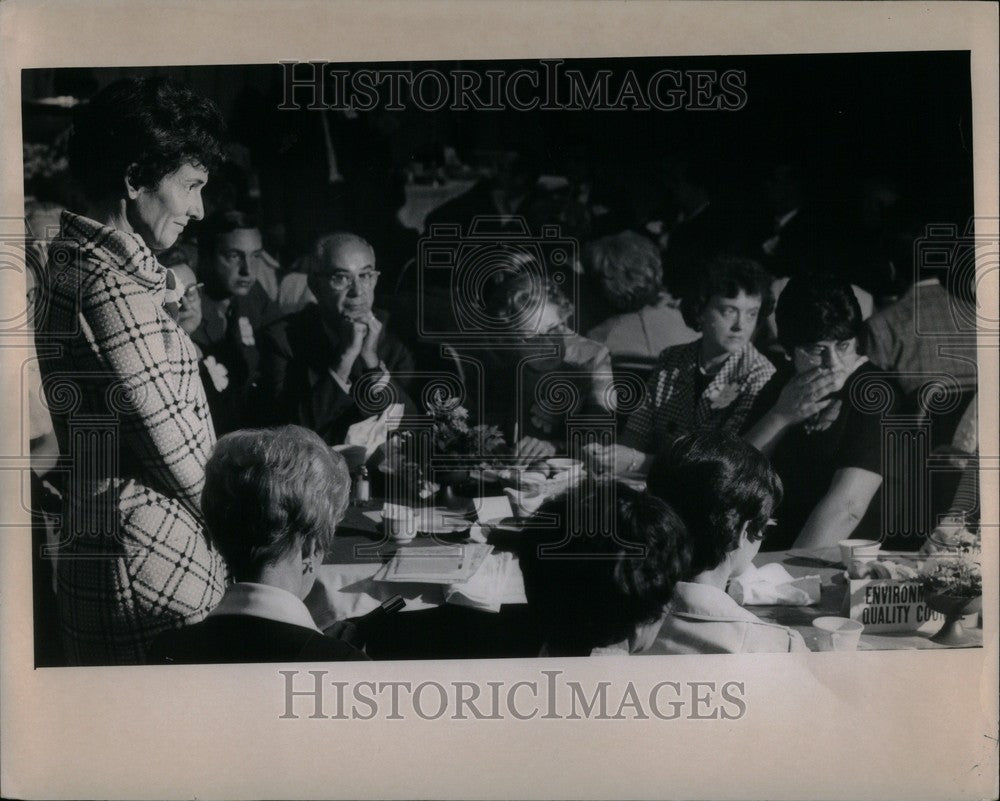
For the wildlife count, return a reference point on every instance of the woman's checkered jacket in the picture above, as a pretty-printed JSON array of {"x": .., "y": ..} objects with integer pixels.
[{"x": 134, "y": 429}]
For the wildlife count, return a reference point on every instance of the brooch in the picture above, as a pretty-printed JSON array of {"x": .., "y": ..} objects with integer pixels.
[{"x": 721, "y": 397}]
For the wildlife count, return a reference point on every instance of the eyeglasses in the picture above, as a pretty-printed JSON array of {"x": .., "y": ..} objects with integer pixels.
[
  {"x": 771, "y": 523},
  {"x": 341, "y": 281}
]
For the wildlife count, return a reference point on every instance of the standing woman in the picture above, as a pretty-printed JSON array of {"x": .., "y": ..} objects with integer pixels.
[{"x": 133, "y": 559}]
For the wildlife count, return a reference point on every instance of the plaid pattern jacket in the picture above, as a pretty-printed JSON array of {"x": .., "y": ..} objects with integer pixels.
[
  {"x": 130, "y": 414},
  {"x": 671, "y": 408}
]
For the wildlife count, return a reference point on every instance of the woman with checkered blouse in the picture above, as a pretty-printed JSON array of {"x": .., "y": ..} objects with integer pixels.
[
  {"x": 709, "y": 384},
  {"x": 126, "y": 399}
]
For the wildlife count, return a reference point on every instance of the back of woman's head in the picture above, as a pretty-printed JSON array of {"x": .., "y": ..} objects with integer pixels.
[
  {"x": 600, "y": 561},
  {"x": 627, "y": 270},
  {"x": 716, "y": 482},
  {"x": 145, "y": 127},
  {"x": 269, "y": 492}
]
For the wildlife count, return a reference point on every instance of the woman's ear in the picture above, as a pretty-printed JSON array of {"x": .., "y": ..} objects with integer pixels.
[
  {"x": 744, "y": 537},
  {"x": 131, "y": 189},
  {"x": 317, "y": 551}
]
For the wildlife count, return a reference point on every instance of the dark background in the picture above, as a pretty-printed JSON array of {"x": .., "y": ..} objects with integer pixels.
[{"x": 906, "y": 115}]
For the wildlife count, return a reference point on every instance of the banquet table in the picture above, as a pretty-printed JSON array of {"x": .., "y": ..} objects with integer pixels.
[{"x": 430, "y": 628}]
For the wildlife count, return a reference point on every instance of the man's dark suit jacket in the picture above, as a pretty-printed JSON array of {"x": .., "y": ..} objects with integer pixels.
[
  {"x": 297, "y": 356},
  {"x": 238, "y": 405},
  {"x": 244, "y": 638}
]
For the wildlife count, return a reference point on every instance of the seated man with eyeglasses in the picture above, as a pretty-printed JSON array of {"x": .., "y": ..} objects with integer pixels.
[
  {"x": 725, "y": 492},
  {"x": 333, "y": 363},
  {"x": 234, "y": 310}
]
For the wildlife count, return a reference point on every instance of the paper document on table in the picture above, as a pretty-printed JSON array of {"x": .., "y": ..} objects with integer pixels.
[
  {"x": 492, "y": 508},
  {"x": 486, "y": 587},
  {"x": 773, "y": 585},
  {"x": 435, "y": 564},
  {"x": 373, "y": 431}
]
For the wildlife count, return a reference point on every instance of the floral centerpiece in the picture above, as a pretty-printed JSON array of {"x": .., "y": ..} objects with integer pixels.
[
  {"x": 453, "y": 436},
  {"x": 954, "y": 588},
  {"x": 455, "y": 448},
  {"x": 953, "y": 577}
]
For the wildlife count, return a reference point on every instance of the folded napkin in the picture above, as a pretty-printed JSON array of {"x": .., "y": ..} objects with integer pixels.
[
  {"x": 485, "y": 589},
  {"x": 372, "y": 432},
  {"x": 772, "y": 584}
]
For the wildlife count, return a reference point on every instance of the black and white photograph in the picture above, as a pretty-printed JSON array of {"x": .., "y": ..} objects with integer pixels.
[{"x": 662, "y": 367}]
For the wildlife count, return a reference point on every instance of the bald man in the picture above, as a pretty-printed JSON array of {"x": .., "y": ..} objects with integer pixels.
[{"x": 333, "y": 363}]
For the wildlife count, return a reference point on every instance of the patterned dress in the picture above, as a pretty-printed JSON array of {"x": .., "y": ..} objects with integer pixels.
[
  {"x": 133, "y": 426},
  {"x": 673, "y": 406}
]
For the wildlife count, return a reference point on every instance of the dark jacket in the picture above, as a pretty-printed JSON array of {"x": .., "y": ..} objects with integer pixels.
[
  {"x": 297, "y": 356},
  {"x": 235, "y": 346},
  {"x": 245, "y": 638}
]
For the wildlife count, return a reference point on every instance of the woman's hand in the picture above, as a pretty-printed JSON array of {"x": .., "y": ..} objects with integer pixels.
[
  {"x": 805, "y": 395},
  {"x": 530, "y": 449},
  {"x": 612, "y": 459}
]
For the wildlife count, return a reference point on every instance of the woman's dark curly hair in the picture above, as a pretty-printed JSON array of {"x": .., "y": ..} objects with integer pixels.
[
  {"x": 602, "y": 561},
  {"x": 716, "y": 482},
  {"x": 145, "y": 127},
  {"x": 726, "y": 276},
  {"x": 814, "y": 308}
]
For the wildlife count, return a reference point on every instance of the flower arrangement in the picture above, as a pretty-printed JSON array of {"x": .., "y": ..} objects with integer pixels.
[
  {"x": 409, "y": 479},
  {"x": 961, "y": 578},
  {"x": 452, "y": 434}
]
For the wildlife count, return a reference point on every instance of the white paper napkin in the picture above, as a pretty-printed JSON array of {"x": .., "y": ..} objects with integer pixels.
[
  {"x": 773, "y": 585},
  {"x": 485, "y": 589},
  {"x": 372, "y": 432}
]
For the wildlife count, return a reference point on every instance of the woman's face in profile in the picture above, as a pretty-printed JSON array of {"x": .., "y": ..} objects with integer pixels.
[{"x": 160, "y": 214}]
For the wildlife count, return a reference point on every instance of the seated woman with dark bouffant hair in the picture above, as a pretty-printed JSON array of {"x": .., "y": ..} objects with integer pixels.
[
  {"x": 600, "y": 568},
  {"x": 725, "y": 491},
  {"x": 272, "y": 500},
  {"x": 815, "y": 421}
]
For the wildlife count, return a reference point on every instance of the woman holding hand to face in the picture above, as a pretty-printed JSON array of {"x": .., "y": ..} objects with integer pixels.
[{"x": 824, "y": 445}]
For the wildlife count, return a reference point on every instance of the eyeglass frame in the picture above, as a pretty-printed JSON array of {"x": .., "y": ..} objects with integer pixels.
[
  {"x": 759, "y": 535},
  {"x": 365, "y": 279}
]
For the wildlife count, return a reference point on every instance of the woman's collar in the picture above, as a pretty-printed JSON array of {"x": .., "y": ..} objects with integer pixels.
[{"x": 126, "y": 251}]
